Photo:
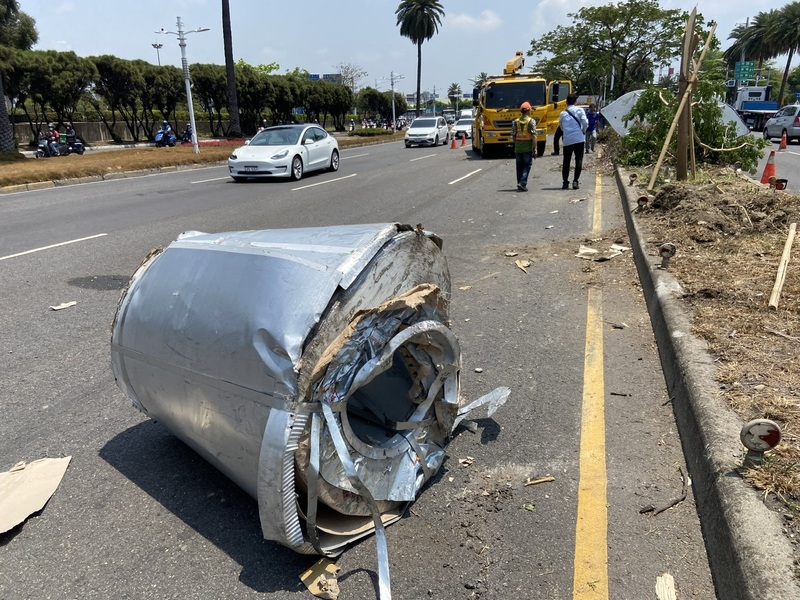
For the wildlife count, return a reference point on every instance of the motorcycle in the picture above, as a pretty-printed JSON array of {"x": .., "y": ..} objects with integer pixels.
[
  {"x": 165, "y": 138},
  {"x": 64, "y": 148}
]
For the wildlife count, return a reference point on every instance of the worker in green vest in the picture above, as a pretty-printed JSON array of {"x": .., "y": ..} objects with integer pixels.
[{"x": 523, "y": 133}]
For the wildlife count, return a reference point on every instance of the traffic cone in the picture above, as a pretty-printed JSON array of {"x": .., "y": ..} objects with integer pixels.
[
  {"x": 453, "y": 143},
  {"x": 463, "y": 139},
  {"x": 782, "y": 147},
  {"x": 769, "y": 169}
]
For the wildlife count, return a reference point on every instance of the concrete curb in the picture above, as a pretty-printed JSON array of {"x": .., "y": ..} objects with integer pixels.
[
  {"x": 749, "y": 555},
  {"x": 39, "y": 185}
]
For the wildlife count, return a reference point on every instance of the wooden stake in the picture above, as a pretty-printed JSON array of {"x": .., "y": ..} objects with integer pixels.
[{"x": 782, "y": 267}]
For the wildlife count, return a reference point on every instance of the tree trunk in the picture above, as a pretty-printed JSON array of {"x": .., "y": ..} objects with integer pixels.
[
  {"x": 6, "y": 130},
  {"x": 235, "y": 129},
  {"x": 419, "y": 73},
  {"x": 785, "y": 77}
]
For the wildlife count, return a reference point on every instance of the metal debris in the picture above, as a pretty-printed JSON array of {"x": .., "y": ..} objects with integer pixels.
[{"x": 314, "y": 367}]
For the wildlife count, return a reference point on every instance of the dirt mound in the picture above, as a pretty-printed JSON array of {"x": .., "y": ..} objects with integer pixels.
[{"x": 730, "y": 233}]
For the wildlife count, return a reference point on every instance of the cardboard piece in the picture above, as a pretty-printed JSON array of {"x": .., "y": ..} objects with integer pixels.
[
  {"x": 320, "y": 579},
  {"x": 26, "y": 488}
]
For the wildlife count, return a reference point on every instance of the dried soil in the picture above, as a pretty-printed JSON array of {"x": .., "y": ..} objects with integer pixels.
[{"x": 730, "y": 234}]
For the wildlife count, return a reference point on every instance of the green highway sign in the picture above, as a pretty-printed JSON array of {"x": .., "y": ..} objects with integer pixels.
[{"x": 744, "y": 69}]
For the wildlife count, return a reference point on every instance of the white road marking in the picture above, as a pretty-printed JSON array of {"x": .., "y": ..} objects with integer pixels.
[
  {"x": 464, "y": 177},
  {"x": 422, "y": 157},
  {"x": 207, "y": 180},
  {"x": 355, "y": 156},
  {"x": 323, "y": 182},
  {"x": 91, "y": 237}
]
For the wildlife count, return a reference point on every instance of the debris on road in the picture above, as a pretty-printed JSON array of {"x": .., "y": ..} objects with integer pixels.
[
  {"x": 321, "y": 579},
  {"x": 26, "y": 488},
  {"x": 314, "y": 367},
  {"x": 545, "y": 479},
  {"x": 665, "y": 587},
  {"x": 657, "y": 510},
  {"x": 523, "y": 264},
  {"x": 63, "y": 305}
]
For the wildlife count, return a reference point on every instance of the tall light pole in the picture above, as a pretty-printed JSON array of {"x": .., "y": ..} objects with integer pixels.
[
  {"x": 158, "y": 47},
  {"x": 182, "y": 43}
]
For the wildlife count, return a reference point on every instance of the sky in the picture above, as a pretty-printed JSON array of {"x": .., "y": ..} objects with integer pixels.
[{"x": 316, "y": 35}]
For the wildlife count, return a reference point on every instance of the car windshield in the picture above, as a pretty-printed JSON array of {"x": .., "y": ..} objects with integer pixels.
[
  {"x": 423, "y": 124},
  {"x": 511, "y": 95},
  {"x": 464, "y": 122},
  {"x": 279, "y": 136}
]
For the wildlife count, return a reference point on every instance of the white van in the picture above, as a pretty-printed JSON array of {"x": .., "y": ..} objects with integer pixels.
[{"x": 466, "y": 113}]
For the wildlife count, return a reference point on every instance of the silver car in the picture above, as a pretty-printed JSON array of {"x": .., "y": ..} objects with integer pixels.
[
  {"x": 463, "y": 127},
  {"x": 285, "y": 151},
  {"x": 786, "y": 120},
  {"x": 427, "y": 131}
]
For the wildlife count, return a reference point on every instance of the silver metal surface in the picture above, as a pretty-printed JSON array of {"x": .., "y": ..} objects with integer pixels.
[{"x": 239, "y": 342}]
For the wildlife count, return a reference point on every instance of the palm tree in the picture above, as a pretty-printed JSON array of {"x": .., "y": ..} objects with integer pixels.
[
  {"x": 753, "y": 41},
  {"x": 784, "y": 34},
  {"x": 480, "y": 79},
  {"x": 419, "y": 20},
  {"x": 454, "y": 93},
  {"x": 235, "y": 128}
]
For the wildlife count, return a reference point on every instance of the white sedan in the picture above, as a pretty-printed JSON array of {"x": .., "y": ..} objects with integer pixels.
[
  {"x": 463, "y": 128},
  {"x": 429, "y": 131},
  {"x": 285, "y": 151}
]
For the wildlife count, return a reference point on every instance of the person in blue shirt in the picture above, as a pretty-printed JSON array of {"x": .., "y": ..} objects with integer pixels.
[
  {"x": 573, "y": 123},
  {"x": 591, "y": 131}
]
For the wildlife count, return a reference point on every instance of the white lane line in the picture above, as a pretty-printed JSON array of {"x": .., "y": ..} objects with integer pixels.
[
  {"x": 422, "y": 157},
  {"x": 207, "y": 180},
  {"x": 91, "y": 237},
  {"x": 355, "y": 156},
  {"x": 323, "y": 182},
  {"x": 464, "y": 177}
]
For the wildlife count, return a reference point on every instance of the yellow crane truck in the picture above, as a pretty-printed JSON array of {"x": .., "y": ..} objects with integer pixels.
[{"x": 497, "y": 101}]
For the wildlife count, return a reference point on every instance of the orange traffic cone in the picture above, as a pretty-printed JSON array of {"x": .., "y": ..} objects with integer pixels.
[
  {"x": 782, "y": 147},
  {"x": 463, "y": 139},
  {"x": 453, "y": 143},
  {"x": 769, "y": 169}
]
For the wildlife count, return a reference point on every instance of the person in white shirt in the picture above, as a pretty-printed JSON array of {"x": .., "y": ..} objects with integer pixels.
[{"x": 573, "y": 123}]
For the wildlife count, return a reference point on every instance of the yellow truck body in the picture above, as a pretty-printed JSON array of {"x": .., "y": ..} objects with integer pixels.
[{"x": 497, "y": 101}]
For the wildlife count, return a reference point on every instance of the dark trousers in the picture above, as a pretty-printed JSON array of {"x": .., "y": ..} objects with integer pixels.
[
  {"x": 524, "y": 161},
  {"x": 576, "y": 149},
  {"x": 557, "y": 138}
]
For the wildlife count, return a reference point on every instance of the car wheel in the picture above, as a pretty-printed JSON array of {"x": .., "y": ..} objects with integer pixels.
[
  {"x": 297, "y": 168},
  {"x": 446, "y": 139},
  {"x": 334, "y": 161},
  {"x": 766, "y": 134},
  {"x": 540, "y": 149},
  {"x": 408, "y": 145},
  {"x": 436, "y": 141}
]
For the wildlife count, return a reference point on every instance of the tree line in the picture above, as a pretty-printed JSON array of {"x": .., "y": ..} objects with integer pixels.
[{"x": 48, "y": 85}]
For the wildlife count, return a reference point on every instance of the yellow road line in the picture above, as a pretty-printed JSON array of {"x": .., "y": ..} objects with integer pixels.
[{"x": 590, "y": 577}]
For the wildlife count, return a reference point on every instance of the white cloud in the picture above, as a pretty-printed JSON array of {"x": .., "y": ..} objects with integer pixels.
[{"x": 486, "y": 21}]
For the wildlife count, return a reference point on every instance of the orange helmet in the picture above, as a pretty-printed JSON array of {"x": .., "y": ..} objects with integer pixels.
[{"x": 525, "y": 106}]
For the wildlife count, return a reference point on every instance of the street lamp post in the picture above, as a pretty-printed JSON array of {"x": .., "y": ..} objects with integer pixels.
[
  {"x": 158, "y": 47},
  {"x": 182, "y": 43}
]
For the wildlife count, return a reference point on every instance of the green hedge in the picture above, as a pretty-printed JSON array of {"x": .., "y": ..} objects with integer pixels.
[{"x": 372, "y": 132}]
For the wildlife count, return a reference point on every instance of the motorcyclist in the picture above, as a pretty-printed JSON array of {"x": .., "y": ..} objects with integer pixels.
[
  {"x": 187, "y": 134},
  {"x": 166, "y": 131},
  {"x": 69, "y": 130},
  {"x": 53, "y": 138}
]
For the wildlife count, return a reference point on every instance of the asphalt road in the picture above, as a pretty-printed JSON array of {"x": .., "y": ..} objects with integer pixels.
[{"x": 140, "y": 515}]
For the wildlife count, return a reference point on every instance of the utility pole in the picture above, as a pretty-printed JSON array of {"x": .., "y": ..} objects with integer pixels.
[{"x": 392, "y": 78}]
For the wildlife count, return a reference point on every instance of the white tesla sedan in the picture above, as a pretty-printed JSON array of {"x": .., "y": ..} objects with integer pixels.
[{"x": 285, "y": 151}]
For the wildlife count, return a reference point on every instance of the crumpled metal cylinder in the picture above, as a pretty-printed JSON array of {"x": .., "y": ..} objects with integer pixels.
[{"x": 314, "y": 367}]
